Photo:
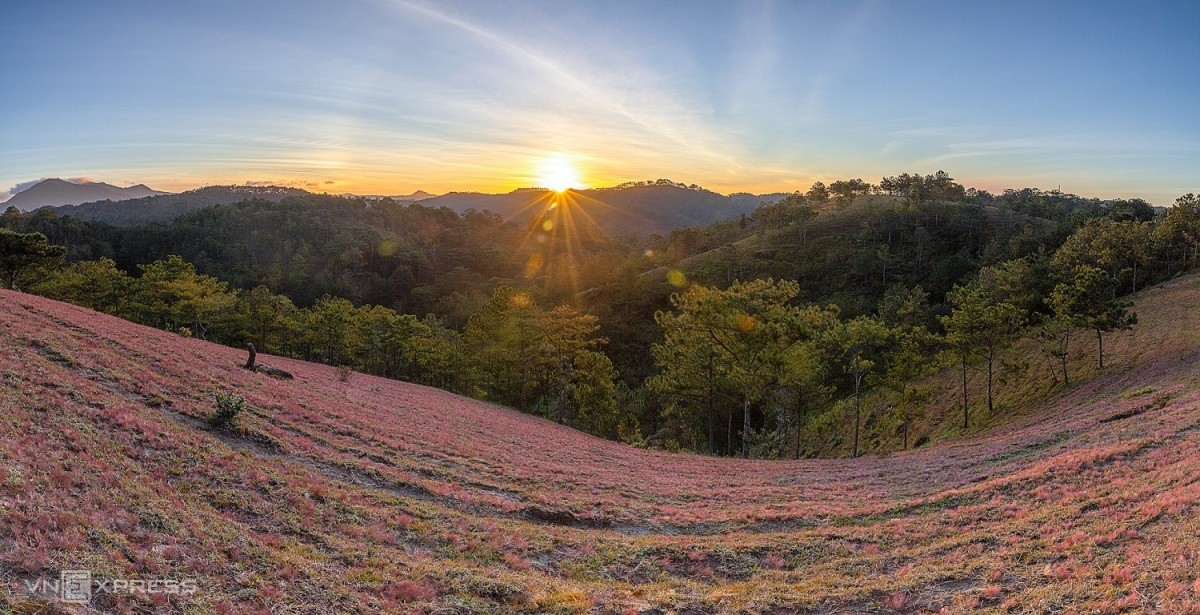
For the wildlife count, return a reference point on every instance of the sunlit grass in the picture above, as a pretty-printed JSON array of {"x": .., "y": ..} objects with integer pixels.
[{"x": 373, "y": 495}]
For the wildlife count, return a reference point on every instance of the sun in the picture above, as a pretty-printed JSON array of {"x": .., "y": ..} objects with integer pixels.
[{"x": 558, "y": 174}]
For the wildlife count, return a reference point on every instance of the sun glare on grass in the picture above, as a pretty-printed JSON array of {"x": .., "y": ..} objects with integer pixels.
[{"x": 558, "y": 175}]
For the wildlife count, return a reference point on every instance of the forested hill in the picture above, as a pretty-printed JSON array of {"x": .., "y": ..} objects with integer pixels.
[
  {"x": 167, "y": 207},
  {"x": 408, "y": 257},
  {"x": 823, "y": 269},
  {"x": 637, "y": 209},
  {"x": 878, "y": 240},
  {"x": 842, "y": 247},
  {"x": 854, "y": 252}
]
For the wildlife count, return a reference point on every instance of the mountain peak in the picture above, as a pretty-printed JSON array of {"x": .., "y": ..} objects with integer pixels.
[
  {"x": 55, "y": 191},
  {"x": 51, "y": 181}
]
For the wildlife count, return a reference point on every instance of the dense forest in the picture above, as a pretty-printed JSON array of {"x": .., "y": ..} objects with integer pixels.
[
  {"x": 748, "y": 336},
  {"x": 408, "y": 257}
]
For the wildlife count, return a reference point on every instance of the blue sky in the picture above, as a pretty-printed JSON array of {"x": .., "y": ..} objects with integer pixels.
[{"x": 391, "y": 96}]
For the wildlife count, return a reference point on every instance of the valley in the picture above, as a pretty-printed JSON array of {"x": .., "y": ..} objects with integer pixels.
[{"x": 369, "y": 494}]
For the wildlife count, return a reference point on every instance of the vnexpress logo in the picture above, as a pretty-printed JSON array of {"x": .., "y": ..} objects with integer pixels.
[
  {"x": 79, "y": 587},
  {"x": 75, "y": 586}
]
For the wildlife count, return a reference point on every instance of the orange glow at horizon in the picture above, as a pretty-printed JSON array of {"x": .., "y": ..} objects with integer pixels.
[{"x": 550, "y": 170}]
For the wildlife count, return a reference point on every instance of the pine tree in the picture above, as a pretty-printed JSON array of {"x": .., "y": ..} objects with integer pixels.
[{"x": 22, "y": 254}]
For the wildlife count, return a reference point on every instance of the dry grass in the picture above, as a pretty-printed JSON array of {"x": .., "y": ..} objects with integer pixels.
[{"x": 372, "y": 495}]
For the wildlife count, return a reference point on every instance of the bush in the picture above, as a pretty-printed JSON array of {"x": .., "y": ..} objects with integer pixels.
[{"x": 229, "y": 406}]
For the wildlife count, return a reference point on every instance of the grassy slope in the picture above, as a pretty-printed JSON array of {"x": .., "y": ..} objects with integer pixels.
[
  {"x": 1155, "y": 353},
  {"x": 372, "y": 495}
]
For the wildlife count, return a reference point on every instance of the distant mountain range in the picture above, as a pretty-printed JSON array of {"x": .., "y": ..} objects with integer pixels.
[
  {"x": 400, "y": 198},
  {"x": 54, "y": 192},
  {"x": 164, "y": 207},
  {"x": 638, "y": 209}
]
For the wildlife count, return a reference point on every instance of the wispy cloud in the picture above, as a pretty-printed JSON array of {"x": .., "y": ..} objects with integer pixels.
[
  {"x": 661, "y": 116},
  {"x": 289, "y": 183},
  {"x": 385, "y": 96},
  {"x": 23, "y": 186}
]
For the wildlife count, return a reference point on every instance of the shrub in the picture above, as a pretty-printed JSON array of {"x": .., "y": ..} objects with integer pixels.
[
  {"x": 229, "y": 406},
  {"x": 407, "y": 591},
  {"x": 343, "y": 374}
]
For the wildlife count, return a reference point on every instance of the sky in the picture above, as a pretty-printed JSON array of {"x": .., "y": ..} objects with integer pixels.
[{"x": 392, "y": 96}]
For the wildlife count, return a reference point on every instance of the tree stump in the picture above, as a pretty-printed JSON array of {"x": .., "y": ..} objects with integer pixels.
[{"x": 273, "y": 372}]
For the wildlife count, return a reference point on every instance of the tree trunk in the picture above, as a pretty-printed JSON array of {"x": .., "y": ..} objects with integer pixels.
[
  {"x": 857, "y": 411},
  {"x": 966, "y": 416},
  {"x": 711, "y": 410},
  {"x": 729, "y": 436},
  {"x": 1048, "y": 355},
  {"x": 991, "y": 362},
  {"x": 1066, "y": 345},
  {"x": 746, "y": 428},
  {"x": 799, "y": 421},
  {"x": 711, "y": 423},
  {"x": 1100, "y": 346}
]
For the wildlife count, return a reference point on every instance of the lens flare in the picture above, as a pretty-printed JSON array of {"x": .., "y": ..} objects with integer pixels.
[{"x": 558, "y": 175}]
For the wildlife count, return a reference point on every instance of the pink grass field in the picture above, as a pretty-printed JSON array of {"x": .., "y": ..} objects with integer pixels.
[{"x": 375, "y": 495}]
